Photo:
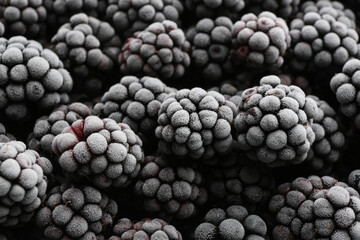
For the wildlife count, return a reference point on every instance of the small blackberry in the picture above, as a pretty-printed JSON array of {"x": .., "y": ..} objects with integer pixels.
[
  {"x": 315, "y": 208},
  {"x": 231, "y": 91},
  {"x": 105, "y": 153},
  {"x": 59, "y": 12},
  {"x": 335, "y": 9},
  {"x": 235, "y": 180},
  {"x": 135, "y": 102},
  {"x": 260, "y": 41},
  {"x": 136, "y": 15},
  {"x": 195, "y": 123},
  {"x": 161, "y": 50},
  {"x": 234, "y": 223},
  {"x": 156, "y": 229},
  {"x": 211, "y": 46},
  {"x": 320, "y": 41},
  {"x": 33, "y": 79},
  {"x": 213, "y": 8},
  {"x": 329, "y": 140},
  {"x": 283, "y": 9},
  {"x": 346, "y": 85},
  {"x": 273, "y": 123},
  {"x": 170, "y": 191},
  {"x": 23, "y": 183},
  {"x": 48, "y": 127},
  {"x": 71, "y": 212},
  {"x": 25, "y": 18},
  {"x": 87, "y": 45}
]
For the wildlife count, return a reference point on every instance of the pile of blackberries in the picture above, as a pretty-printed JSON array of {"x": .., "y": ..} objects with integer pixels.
[{"x": 179, "y": 119}]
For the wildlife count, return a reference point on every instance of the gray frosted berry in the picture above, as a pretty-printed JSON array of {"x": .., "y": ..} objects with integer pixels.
[
  {"x": 170, "y": 191},
  {"x": 160, "y": 50},
  {"x": 273, "y": 123},
  {"x": 75, "y": 212},
  {"x": 195, "y": 123},
  {"x": 233, "y": 223},
  {"x": 23, "y": 183},
  {"x": 102, "y": 151},
  {"x": 260, "y": 41},
  {"x": 87, "y": 45},
  {"x": 320, "y": 203},
  {"x": 33, "y": 79}
]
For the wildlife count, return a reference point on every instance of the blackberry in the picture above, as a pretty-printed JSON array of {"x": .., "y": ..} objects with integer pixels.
[
  {"x": 335, "y": 9},
  {"x": 354, "y": 179},
  {"x": 4, "y": 135},
  {"x": 87, "y": 45},
  {"x": 23, "y": 183},
  {"x": 33, "y": 79},
  {"x": 25, "y": 18},
  {"x": 329, "y": 140},
  {"x": 346, "y": 87},
  {"x": 273, "y": 123},
  {"x": 260, "y": 41},
  {"x": 211, "y": 46},
  {"x": 283, "y": 9},
  {"x": 160, "y": 50},
  {"x": 213, "y": 9},
  {"x": 60, "y": 11},
  {"x": 105, "y": 153},
  {"x": 320, "y": 41},
  {"x": 135, "y": 102},
  {"x": 48, "y": 127},
  {"x": 170, "y": 191},
  {"x": 234, "y": 223},
  {"x": 315, "y": 208},
  {"x": 146, "y": 229},
  {"x": 136, "y": 15},
  {"x": 195, "y": 123},
  {"x": 235, "y": 180},
  {"x": 72, "y": 212}
]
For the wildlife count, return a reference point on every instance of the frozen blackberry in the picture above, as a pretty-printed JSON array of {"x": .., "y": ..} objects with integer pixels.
[
  {"x": 33, "y": 80},
  {"x": 260, "y": 41},
  {"x": 235, "y": 180},
  {"x": 25, "y": 18},
  {"x": 215, "y": 8},
  {"x": 346, "y": 86},
  {"x": 195, "y": 123},
  {"x": 135, "y": 102},
  {"x": 211, "y": 46},
  {"x": 23, "y": 183},
  {"x": 234, "y": 223},
  {"x": 60, "y": 11},
  {"x": 329, "y": 140},
  {"x": 161, "y": 50},
  {"x": 320, "y": 40},
  {"x": 72, "y": 212},
  {"x": 272, "y": 125},
  {"x": 132, "y": 16},
  {"x": 354, "y": 179},
  {"x": 155, "y": 229},
  {"x": 170, "y": 191},
  {"x": 315, "y": 208},
  {"x": 335, "y": 9},
  {"x": 87, "y": 45},
  {"x": 48, "y": 127},
  {"x": 284, "y": 9},
  {"x": 5, "y": 136},
  {"x": 99, "y": 150}
]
